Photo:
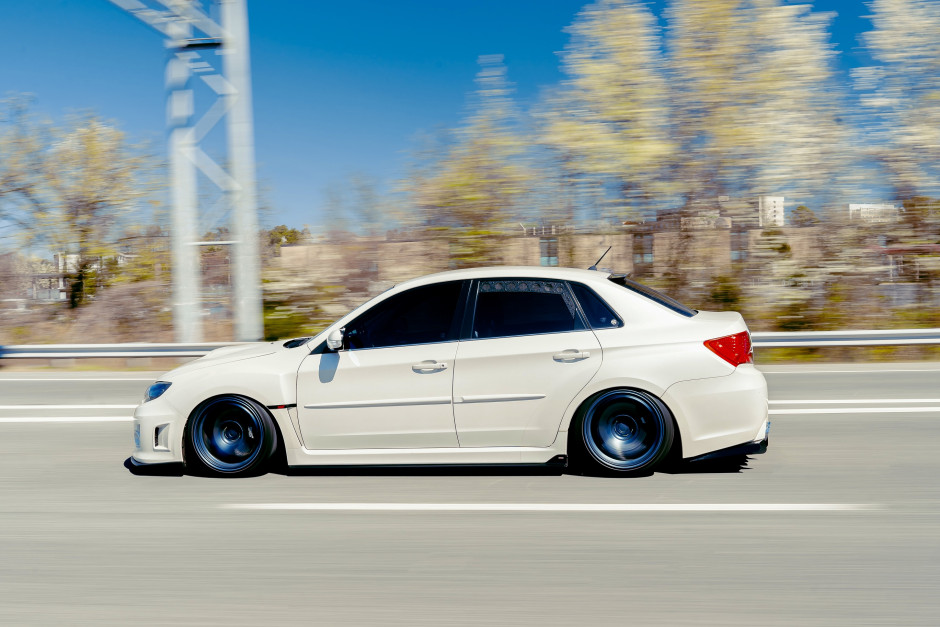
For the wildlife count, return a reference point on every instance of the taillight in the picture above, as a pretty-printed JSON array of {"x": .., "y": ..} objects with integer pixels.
[{"x": 735, "y": 349}]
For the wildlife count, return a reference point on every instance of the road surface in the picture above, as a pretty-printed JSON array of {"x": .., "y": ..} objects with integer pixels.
[{"x": 838, "y": 524}]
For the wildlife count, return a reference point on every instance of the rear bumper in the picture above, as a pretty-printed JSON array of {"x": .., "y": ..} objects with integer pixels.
[
  {"x": 718, "y": 413},
  {"x": 748, "y": 448}
]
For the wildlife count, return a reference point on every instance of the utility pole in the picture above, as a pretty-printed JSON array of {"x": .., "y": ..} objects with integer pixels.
[{"x": 180, "y": 21}]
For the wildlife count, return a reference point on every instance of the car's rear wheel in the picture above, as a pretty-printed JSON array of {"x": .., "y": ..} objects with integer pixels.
[
  {"x": 626, "y": 431},
  {"x": 230, "y": 435}
]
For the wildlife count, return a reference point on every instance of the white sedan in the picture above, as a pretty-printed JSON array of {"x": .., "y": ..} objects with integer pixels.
[{"x": 514, "y": 365}]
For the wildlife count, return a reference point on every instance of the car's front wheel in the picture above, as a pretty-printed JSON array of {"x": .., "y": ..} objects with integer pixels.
[
  {"x": 626, "y": 431},
  {"x": 230, "y": 435}
]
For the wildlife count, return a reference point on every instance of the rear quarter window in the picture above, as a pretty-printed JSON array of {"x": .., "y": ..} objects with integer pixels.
[{"x": 598, "y": 313}]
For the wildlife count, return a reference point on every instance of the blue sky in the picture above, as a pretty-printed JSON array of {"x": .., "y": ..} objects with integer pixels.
[{"x": 339, "y": 87}]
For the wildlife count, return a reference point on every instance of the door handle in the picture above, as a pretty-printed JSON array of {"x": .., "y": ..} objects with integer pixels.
[
  {"x": 429, "y": 366},
  {"x": 571, "y": 355}
]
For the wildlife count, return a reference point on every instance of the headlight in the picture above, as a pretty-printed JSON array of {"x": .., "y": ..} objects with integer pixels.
[{"x": 156, "y": 390}]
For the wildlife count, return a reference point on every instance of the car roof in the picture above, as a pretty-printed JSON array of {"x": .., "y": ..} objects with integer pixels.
[{"x": 493, "y": 272}]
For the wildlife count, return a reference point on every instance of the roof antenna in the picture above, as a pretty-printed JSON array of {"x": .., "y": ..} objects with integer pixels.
[{"x": 594, "y": 267}]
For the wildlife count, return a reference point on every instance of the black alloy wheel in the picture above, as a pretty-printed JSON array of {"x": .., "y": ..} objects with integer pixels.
[
  {"x": 626, "y": 431},
  {"x": 230, "y": 435}
]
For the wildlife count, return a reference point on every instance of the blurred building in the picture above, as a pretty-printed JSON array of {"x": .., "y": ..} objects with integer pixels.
[
  {"x": 874, "y": 213},
  {"x": 770, "y": 211},
  {"x": 24, "y": 279},
  {"x": 703, "y": 246},
  {"x": 705, "y": 242},
  {"x": 397, "y": 257}
]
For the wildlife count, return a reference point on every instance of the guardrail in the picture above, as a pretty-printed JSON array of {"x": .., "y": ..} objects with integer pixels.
[
  {"x": 79, "y": 351},
  {"x": 809, "y": 339}
]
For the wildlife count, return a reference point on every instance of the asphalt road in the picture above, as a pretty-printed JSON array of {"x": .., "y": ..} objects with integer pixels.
[{"x": 849, "y": 533}]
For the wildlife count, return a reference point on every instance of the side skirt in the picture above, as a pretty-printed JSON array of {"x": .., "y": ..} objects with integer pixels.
[{"x": 499, "y": 456}]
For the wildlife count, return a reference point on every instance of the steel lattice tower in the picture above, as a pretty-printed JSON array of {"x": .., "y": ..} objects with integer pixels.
[{"x": 192, "y": 39}]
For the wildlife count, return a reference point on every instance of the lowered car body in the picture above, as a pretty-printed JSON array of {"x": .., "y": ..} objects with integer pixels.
[{"x": 510, "y": 365}]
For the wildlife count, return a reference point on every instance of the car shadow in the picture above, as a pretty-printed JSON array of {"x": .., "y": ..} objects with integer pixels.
[
  {"x": 722, "y": 465},
  {"x": 719, "y": 465},
  {"x": 154, "y": 470}
]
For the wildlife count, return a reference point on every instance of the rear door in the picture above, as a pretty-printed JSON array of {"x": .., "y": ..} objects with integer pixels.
[{"x": 524, "y": 355}]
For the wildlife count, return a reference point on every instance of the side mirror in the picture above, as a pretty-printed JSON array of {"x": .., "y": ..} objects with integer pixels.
[{"x": 334, "y": 340}]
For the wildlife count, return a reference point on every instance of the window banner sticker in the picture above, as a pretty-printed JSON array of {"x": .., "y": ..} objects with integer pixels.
[{"x": 523, "y": 285}]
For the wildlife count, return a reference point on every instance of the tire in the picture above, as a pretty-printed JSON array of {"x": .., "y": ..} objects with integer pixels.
[
  {"x": 625, "y": 431},
  {"x": 230, "y": 436}
]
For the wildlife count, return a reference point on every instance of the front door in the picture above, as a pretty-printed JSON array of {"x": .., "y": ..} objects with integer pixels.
[{"x": 392, "y": 386}]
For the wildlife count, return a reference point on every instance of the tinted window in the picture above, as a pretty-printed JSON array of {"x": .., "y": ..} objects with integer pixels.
[
  {"x": 598, "y": 314},
  {"x": 653, "y": 295},
  {"x": 419, "y": 316},
  {"x": 523, "y": 307}
]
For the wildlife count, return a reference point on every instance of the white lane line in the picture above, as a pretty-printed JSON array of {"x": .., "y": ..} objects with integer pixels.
[
  {"x": 11, "y": 419},
  {"x": 873, "y": 401},
  {"x": 555, "y": 507},
  {"x": 44, "y": 407},
  {"x": 856, "y": 410}
]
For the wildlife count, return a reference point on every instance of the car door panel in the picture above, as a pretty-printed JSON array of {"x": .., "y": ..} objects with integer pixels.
[
  {"x": 391, "y": 385},
  {"x": 513, "y": 392},
  {"x": 525, "y": 355},
  {"x": 377, "y": 399}
]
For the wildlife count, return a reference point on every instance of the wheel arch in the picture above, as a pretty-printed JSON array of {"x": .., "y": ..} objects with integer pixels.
[
  {"x": 278, "y": 456},
  {"x": 595, "y": 389}
]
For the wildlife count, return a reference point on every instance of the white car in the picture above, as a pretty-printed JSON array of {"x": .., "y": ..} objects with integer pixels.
[{"x": 510, "y": 365}]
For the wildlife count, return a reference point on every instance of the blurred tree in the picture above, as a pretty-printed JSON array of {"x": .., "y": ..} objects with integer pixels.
[
  {"x": 145, "y": 252},
  {"x": 480, "y": 180},
  {"x": 901, "y": 93},
  {"x": 369, "y": 208},
  {"x": 725, "y": 293},
  {"x": 901, "y": 99},
  {"x": 915, "y": 239},
  {"x": 68, "y": 189},
  {"x": 755, "y": 108},
  {"x": 804, "y": 216},
  {"x": 281, "y": 235},
  {"x": 22, "y": 158},
  {"x": 610, "y": 118},
  {"x": 755, "y": 112},
  {"x": 215, "y": 261},
  {"x": 355, "y": 204},
  {"x": 294, "y": 308}
]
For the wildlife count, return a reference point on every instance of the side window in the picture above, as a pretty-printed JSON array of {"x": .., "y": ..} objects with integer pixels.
[
  {"x": 524, "y": 307},
  {"x": 599, "y": 314},
  {"x": 419, "y": 316}
]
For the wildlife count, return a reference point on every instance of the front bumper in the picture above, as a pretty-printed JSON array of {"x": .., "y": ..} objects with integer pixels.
[{"x": 158, "y": 434}]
